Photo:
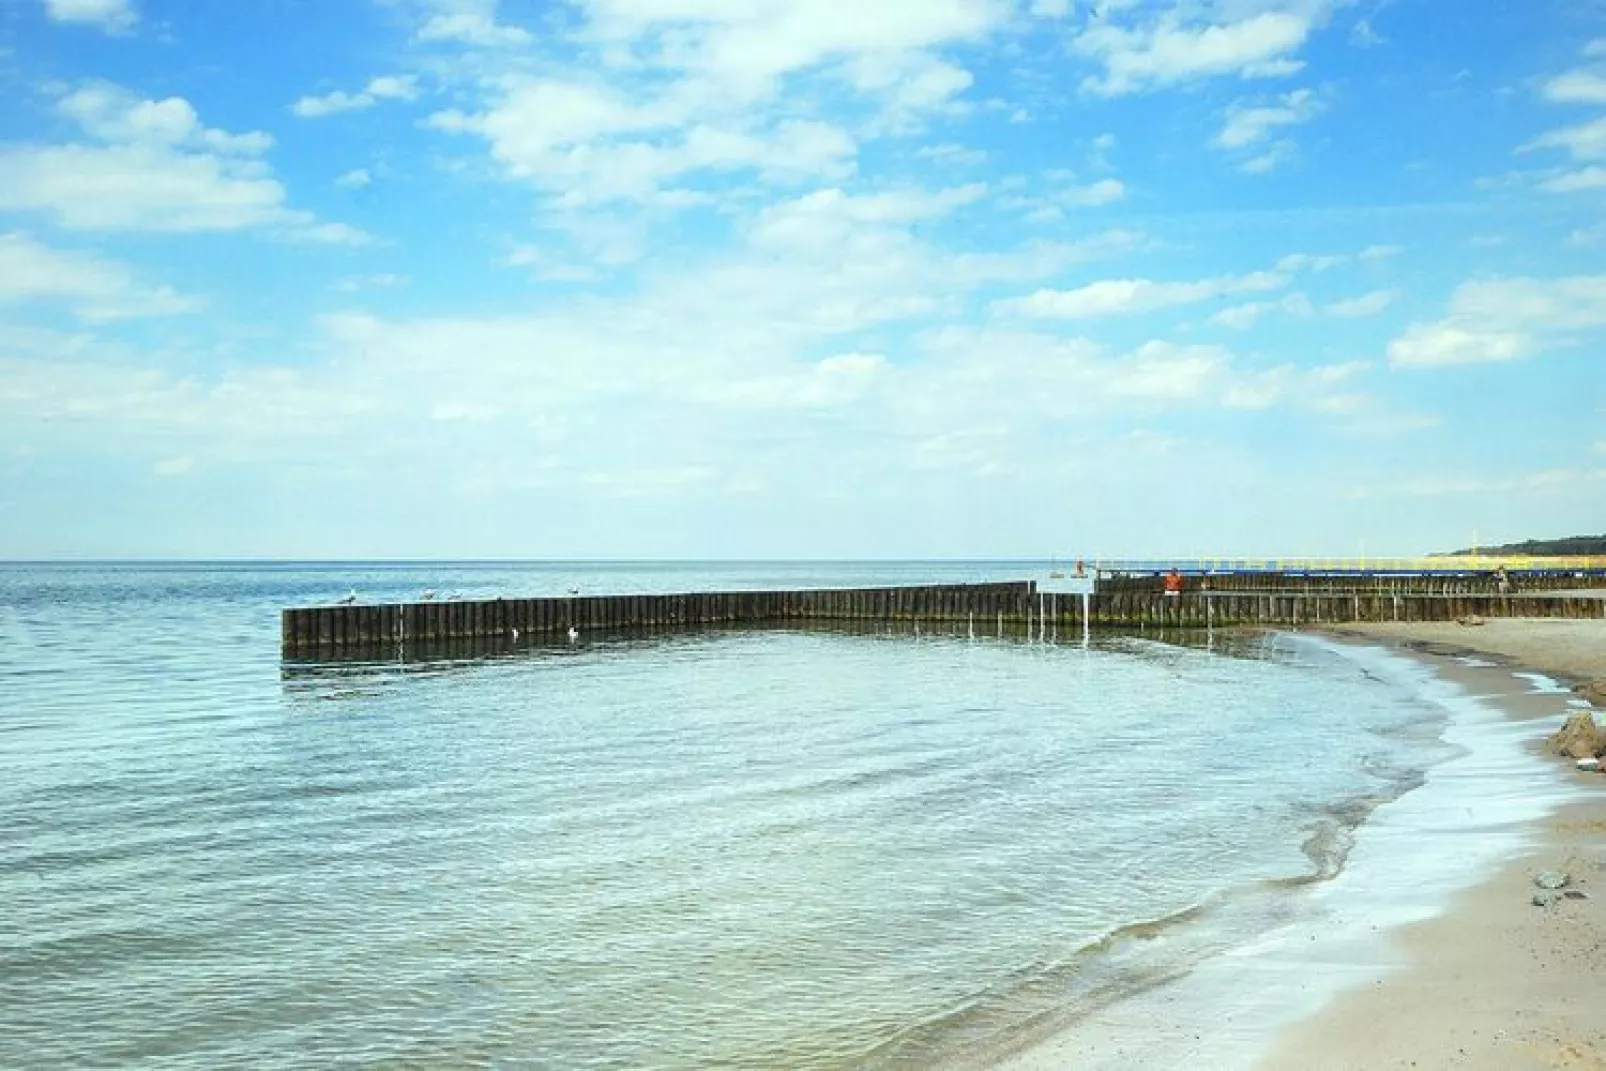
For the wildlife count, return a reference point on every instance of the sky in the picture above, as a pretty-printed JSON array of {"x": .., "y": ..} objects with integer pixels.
[{"x": 799, "y": 278}]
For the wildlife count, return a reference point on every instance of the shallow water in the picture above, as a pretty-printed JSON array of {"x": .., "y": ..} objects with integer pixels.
[{"x": 800, "y": 849}]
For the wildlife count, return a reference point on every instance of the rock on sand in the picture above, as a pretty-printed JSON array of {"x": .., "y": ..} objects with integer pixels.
[{"x": 1580, "y": 738}]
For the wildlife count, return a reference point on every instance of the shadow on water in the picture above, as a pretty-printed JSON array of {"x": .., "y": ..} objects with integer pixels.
[{"x": 447, "y": 655}]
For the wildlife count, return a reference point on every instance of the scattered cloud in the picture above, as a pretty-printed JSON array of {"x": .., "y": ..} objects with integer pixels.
[
  {"x": 471, "y": 27},
  {"x": 1498, "y": 320},
  {"x": 1380, "y": 252},
  {"x": 1584, "y": 141},
  {"x": 1363, "y": 35},
  {"x": 94, "y": 288},
  {"x": 1592, "y": 177},
  {"x": 386, "y": 87},
  {"x": 1243, "y": 317},
  {"x": 1167, "y": 46},
  {"x": 1582, "y": 86},
  {"x": 1449, "y": 342},
  {"x": 174, "y": 466},
  {"x": 112, "y": 16},
  {"x": 1118, "y": 297},
  {"x": 1310, "y": 262},
  {"x": 697, "y": 95},
  {"x": 1369, "y": 304},
  {"x": 951, "y": 153},
  {"x": 310, "y": 233},
  {"x": 1250, "y": 124},
  {"x": 152, "y": 166},
  {"x": 355, "y": 180},
  {"x": 110, "y": 113}
]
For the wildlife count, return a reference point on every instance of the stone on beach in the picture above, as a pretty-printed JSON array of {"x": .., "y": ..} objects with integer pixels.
[
  {"x": 1594, "y": 691},
  {"x": 1590, "y": 765},
  {"x": 1580, "y": 738},
  {"x": 1552, "y": 879}
]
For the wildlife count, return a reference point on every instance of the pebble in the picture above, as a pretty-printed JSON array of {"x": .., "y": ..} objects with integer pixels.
[
  {"x": 1551, "y": 879},
  {"x": 1544, "y": 899}
]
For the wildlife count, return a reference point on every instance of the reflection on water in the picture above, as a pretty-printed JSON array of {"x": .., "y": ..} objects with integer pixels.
[{"x": 811, "y": 847}]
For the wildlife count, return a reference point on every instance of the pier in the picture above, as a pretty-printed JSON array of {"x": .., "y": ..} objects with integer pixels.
[{"x": 1123, "y": 600}]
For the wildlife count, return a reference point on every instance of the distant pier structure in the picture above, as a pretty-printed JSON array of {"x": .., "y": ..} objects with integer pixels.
[{"x": 1119, "y": 596}]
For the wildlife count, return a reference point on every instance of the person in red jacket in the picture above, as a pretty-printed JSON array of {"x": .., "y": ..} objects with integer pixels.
[{"x": 1173, "y": 584}]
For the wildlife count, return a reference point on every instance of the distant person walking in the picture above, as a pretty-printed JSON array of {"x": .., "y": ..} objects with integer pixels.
[
  {"x": 1173, "y": 584},
  {"x": 1502, "y": 582}
]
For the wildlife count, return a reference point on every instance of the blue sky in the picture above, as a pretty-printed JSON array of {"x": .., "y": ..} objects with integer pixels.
[{"x": 799, "y": 278}]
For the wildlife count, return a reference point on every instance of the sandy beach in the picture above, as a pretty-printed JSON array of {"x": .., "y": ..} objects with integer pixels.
[{"x": 1494, "y": 982}]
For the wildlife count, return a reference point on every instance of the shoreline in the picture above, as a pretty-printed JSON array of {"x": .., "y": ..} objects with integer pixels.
[
  {"x": 1493, "y": 981},
  {"x": 1392, "y": 960}
]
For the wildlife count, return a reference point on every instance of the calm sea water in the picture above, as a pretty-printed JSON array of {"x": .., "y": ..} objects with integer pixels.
[{"x": 789, "y": 849}]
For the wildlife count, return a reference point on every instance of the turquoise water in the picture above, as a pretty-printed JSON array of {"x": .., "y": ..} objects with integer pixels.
[{"x": 790, "y": 849}]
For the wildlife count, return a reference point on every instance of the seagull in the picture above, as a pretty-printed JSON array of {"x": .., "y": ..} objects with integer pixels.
[
  {"x": 348, "y": 598},
  {"x": 428, "y": 594},
  {"x": 574, "y": 591},
  {"x": 574, "y": 634}
]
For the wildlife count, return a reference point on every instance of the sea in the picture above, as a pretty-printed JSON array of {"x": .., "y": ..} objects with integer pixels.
[{"x": 758, "y": 848}]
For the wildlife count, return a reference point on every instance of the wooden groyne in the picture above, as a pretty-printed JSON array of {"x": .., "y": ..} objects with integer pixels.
[
  {"x": 319, "y": 632},
  {"x": 458, "y": 628}
]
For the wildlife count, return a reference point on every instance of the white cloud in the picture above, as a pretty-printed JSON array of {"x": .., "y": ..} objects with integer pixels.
[
  {"x": 744, "y": 47},
  {"x": 593, "y": 146},
  {"x": 139, "y": 187},
  {"x": 355, "y": 180},
  {"x": 1585, "y": 141},
  {"x": 1117, "y": 297},
  {"x": 697, "y": 87},
  {"x": 1582, "y": 86},
  {"x": 1274, "y": 157},
  {"x": 1363, "y": 35},
  {"x": 1242, "y": 317},
  {"x": 473, "y": 28},
  {"x": 820, "y": 217},
  {"x": 1102, "y": 192},
  {"x": 385, "y": 87},
  {"x": 1592, "y": 177},
  {"x": 158, "y": 169},
  {"x": 1310, "y": 261},
  {"x": 311, "y": 233},
  {"x": 950, "y": 153},
  {"x": 112, "y": 114},
  {"x": 1453, "y": 342},
  {"x": 1504, "y": 320},
  {"x": 1162, "y": 48},
  {"x": 93, "y": 287},
  {"x": 1380, "y": 252},
  {"x": 1248, "y": 125},
  {"x": 112, "y": 16},
  {"x": 1369, "y": 304}
]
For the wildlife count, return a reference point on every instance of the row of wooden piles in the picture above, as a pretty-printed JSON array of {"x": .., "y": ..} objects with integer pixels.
[{"x": 363, "y": 631}]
